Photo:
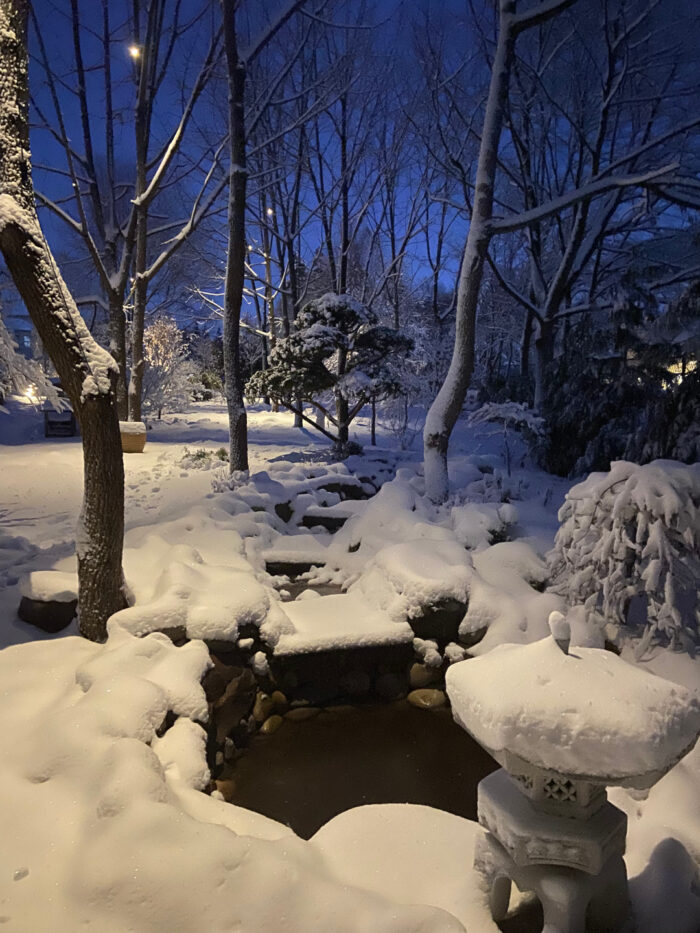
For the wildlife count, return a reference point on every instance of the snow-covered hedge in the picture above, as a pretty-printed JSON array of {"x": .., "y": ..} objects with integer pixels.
[{"x": 629, "y": 550}]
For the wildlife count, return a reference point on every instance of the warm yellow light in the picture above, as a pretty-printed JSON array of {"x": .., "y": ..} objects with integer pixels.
[
  {"x": 134, "y": 51},
  {"x": 31, "y": 394},
  {"x": 270, "y": 212}
]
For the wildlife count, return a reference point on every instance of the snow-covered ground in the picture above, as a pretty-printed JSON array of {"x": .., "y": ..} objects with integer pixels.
[{"x": 103, "y": 822}]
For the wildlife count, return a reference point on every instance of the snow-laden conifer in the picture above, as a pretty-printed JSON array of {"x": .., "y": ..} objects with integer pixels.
[{"x": 629, "y": 550}]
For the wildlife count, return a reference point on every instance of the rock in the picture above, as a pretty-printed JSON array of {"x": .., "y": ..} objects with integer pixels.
[
  {"x": 216, "y": 678},
  {"x": 284, "y": 510},
  {"x": 226, "y": 789},
  {"x": 233, "y": 705},
  {"x": 301, "y": 713},
  {"x": 439, "y": 621},
  {"x": 271, "y": 725},
  {"x": 426, "y": 698},
  {"x": 229, "y": 749},
  {"x": 279, "y": 700},
  {"x": 331, "y": 522},
  {"x": 355, "y": 683},
  {"x": 176, "y": 633},
  {"x": 421, "y": 675},
  {"x": 263, "y": 707},
  {"x": 289, "y": 568},
  {"x": 389, "y": 686},
  {"x": 48, "y": 615}
]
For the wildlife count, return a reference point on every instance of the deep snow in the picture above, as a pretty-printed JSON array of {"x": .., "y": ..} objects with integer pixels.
[{"x": 104, "y": 821}]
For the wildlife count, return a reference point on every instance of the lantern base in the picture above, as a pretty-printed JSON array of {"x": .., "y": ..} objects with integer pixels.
[
  {"x": 572, "y": 901},
  {"x": 574, "y": 866}
]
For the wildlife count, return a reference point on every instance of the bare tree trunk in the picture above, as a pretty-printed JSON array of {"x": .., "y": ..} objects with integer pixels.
[
  {"x": 342, "y": 413},
  {"x": 117, "y": 347},
  {"x": 445, "y": 410},
  {"x": 88, "y": 373},
  {"x": 525, "y": 348},
  {"x": 373, "y": 424},
  {"x": 235, "y": 260},
  {"x": 141, "y": 129},
  {"x": 544, "y": 354},
  {"x": 138, "y": 320}
]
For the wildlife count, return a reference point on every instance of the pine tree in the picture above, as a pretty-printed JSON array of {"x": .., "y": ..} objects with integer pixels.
[{"x": 338, "y": 348}]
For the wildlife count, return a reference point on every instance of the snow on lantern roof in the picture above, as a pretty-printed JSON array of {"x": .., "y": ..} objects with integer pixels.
[{"x": 586, "y": 714}]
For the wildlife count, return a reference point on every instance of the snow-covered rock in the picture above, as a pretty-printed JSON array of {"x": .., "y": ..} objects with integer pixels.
[{"x": 49, "y": 586}]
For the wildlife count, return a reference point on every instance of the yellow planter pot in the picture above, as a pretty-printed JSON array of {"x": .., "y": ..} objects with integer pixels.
[{"x": 133, "y": 434}]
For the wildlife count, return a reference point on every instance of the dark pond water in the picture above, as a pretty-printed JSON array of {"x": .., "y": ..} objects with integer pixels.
[{"x": 308, "y": 772}]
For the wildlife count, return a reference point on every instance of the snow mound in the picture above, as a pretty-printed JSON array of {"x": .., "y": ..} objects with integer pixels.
[
  {"x": 505, "y": 599},
  {"x": 50, "y": 585},
  {"x": 361, "y": 848},
  {"x": 344, "y": 620},
  {"x": 205, "y": 586},
  {"x": 101, "y": 824},
  {"x": 586, "y": 713},
  {"x": 404, "y": 579},
  {"x": 476, "y": 524}
]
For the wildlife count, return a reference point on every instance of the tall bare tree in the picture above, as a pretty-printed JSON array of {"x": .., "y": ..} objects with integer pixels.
[
  {"x": 88, "y": 373},
  {"x": 113, "y": 190}
]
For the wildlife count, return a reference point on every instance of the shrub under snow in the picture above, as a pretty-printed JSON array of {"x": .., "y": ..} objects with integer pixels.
[{"x": 629, "y": 550}]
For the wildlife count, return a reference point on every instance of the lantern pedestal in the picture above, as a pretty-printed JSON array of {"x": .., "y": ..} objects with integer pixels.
[{"x": 572, "y": 863}]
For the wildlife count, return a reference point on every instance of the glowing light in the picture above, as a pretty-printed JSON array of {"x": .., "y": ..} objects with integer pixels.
[
  {"x": 270, "y": 212},
  {"x": 31, "y": 394},
  {"x": 134, "y": 51}
]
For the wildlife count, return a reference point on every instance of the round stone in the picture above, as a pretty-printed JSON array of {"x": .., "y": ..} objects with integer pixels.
[
  {"x": 300, "y": 713},
  {"x": 426, "y": 698},
  {"x": 420, "y": 675},
  {"x": 263, "y": 707},
  {"x": 279, "y": 700},
  {"x": 271, "y": 725}
]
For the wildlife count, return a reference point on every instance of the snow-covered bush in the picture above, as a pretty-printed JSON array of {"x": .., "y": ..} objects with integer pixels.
[{"x": 629, "y": 550}]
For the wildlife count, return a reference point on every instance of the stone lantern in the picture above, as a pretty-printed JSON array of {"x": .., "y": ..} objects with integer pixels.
[{"x": 564, "y": 723}]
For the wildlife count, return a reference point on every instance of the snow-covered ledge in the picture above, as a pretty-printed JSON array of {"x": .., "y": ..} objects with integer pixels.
[{"x": 564, "y": 723}]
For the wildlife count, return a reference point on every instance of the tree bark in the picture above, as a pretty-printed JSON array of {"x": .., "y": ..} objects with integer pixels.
[
  {"x": 544, "y": 354},
  {"x": 117, "y": 347},
  {"x": 445, "y": 410},
  {"x": 525, "y": 350},
  {"x": 87, "y": 372},
  {"x": 235, "y": 259}
]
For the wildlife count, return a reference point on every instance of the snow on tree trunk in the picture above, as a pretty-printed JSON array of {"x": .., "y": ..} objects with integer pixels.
[
  {"x": 117, "y": 347},
  {"x": 235, "y": 260},
  {"x": 88, "y": 373},
  {"x": 445, "y": 410},
  {"x": 141, "y": 130}
]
